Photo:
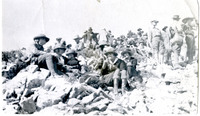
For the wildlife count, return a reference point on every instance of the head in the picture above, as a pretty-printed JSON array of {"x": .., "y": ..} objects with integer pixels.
[
  {"x": 110, "y": 53},
  {"x": 41, "y": 39},
  {"x": 176, "y": 18},
  {"x": 154, "y": 23},
  {"x": 59, "y": 51},
  {"x": 58, "y": 40},
  {"x": 90, "y": 29},
  {"x": 69, "y": 46},
  {"x": 127, "y": 54},
  {"x": 71, "y": 54},
  {"x": 77, "y": 39},
  {"x": 165, "y": 28},
  {"x": 111, "y": 56}
]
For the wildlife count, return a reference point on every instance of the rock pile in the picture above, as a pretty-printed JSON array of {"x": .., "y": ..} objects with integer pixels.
[{"x": 164, "y": 90}]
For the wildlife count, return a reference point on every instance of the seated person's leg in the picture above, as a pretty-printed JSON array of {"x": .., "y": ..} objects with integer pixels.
[
  {"x": 49, "y": 62},
  {"x": 116, "y": 77}
]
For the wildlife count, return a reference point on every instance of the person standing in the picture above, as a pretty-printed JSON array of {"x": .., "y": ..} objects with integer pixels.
[
  {"x": 155, "y": 41},
  {"x": 79, "y": 43},
  {"x": 189, "y": 38},
  {"x": 177, "y": 39},
  {"x": 167, "y": 45}
]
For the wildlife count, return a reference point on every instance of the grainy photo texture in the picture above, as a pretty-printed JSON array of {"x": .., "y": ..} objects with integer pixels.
[{"x": 100, "y": 57}]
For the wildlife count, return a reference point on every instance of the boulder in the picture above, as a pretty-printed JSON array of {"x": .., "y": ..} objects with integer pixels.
[
  {"x": 89, "y": 98},
  {"x": 28, "y": 106},
  {"x": 59, "y": 90},
  {"x": 73, "y": 101}
]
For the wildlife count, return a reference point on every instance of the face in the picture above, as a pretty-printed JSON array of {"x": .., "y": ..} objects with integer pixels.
[
  {"x": 154, "y": 23},
  {"x": 111, "y": 56},
  {"x": 126, "y": 56},
  {"x": 42, "y": 41},
  {"x": 70, "y": 56},
  {"x": 60, "y": 51}
]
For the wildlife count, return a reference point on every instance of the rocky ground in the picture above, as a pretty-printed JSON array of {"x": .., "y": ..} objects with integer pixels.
[{"x": 164, "y": 90}]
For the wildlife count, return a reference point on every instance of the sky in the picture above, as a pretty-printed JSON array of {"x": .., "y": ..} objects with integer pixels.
[{"x": 22, "y": 20}]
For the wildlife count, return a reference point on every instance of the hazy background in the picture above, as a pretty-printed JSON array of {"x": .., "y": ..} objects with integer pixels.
[{"x": 24, "y": 19}]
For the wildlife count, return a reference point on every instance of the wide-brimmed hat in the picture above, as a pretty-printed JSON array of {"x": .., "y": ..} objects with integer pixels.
[
  {"x": 139, "y": 29},
  {"x": 59, "y": 38},
  {"x": 164, "y": 28},
  {"x": 109, "y": 50},
  {"x": 176, "y": 17},
  {"x": 71, "y": 52},
  {"x": 185, "y": 20},
  {"x": 41, "y": 36},
  {"x": 77, "y": 38},
  {"x": 59, "y": 46},
  {"x": 127, "y": 51},
  {"x": 69, "y": 45},
  {"x": 154, "y": 21}
]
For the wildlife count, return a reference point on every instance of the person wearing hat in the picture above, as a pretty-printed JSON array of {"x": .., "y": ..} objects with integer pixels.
[
  {"x": 100, "y": 64},
  {"x": 54, "y": 62},
  {"x": 131, "y": 63},
  {"x": 72, "y": 62},
  {"x": 129, "y": 34},
  {"x": 176, "y": 17},
  {"x": 140, "y": 32},
  {"x": 155, "y": 39},
  {"x": 88, "y": 38},
  {"x": 189, "y": 40},
  {"x": 79, "y": 44},
  {"x": 60, "y": 41},
  {"x": 33, "y": 52},
  {"x": 167, "y": 45},
  {"x": 114, "y": 43},
  {"x": 117, "y": 70},
  {"x": 145, "y": 39},
  {"x": 177, "y": 39}
]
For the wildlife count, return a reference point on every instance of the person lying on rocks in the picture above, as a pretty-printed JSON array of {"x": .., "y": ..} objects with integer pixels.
[
  {"x": 118, "y": 72},
  {"x": 34, "y": 51}
]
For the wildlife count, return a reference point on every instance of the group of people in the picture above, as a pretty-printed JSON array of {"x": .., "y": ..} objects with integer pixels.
[{"x": 115, "y": 60}]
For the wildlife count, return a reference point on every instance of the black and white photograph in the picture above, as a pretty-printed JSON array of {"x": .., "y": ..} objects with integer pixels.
[{"x": 99, "y": 57}]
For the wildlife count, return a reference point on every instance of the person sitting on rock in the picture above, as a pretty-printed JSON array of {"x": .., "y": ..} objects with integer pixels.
[
  {"x": 131, "y": 63},
  {"x": 72, "y": 61},
  {"x": 118, "y": 72},
  {"x": 99, "y": 66},
  {"x": 34, "y": 51},
  {"x": 55, "y": 61}
]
